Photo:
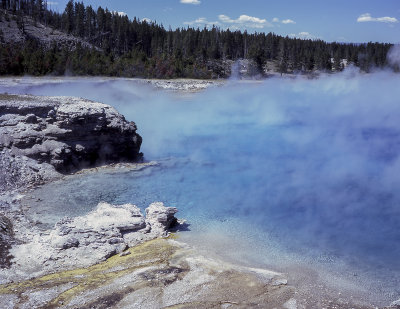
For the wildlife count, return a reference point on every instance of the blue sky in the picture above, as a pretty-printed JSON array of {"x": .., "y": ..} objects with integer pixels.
[{"x": 339, "y": 20}]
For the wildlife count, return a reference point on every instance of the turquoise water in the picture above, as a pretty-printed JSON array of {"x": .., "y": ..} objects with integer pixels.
[{"x": 303, "y": 170}]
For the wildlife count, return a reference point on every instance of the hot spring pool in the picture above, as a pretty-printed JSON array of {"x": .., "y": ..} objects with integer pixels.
[{"x": 267, "y": 174}]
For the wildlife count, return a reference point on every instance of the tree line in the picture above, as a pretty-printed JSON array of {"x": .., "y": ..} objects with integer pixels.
[{"x": 133, "y": 47}]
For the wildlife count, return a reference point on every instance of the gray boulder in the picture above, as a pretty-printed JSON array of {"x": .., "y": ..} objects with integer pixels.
[{"x": 160, "y": 218}]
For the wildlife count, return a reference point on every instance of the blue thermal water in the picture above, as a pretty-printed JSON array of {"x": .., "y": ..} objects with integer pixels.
[{"x": 312, "y": 165}]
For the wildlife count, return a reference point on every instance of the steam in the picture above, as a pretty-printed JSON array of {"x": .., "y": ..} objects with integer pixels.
[
  {"x": 314, "y": 164},
  {"x": 393, "y": 56}
]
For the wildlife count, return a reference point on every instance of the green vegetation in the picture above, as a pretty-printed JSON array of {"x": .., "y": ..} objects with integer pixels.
[{"x": 134, "y": 48}]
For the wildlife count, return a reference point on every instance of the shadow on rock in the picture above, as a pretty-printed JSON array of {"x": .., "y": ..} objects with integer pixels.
[{"x": 6, "y": 238}]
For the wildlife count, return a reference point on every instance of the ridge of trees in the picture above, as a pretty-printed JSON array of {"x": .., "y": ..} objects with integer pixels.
[{"x": 133, "y": 47}]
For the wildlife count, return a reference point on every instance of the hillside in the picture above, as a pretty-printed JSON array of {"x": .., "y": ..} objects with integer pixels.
[
  {"x": 13, "y": 31},
  {"x": 87, "y": 41}
]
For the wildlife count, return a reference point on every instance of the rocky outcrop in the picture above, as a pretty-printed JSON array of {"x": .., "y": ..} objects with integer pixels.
[
  {"x": 89, "y": 239},
  {"x": 19, "y": 172},
  {"x": 64, "y": 132}
]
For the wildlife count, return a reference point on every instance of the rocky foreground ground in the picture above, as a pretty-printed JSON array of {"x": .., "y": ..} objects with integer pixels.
[
  {"x": 113, "y": 257},
  {"x": 161, "y": 273}
]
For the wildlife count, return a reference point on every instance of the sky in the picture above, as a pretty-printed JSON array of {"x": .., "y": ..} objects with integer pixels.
[{"x": 354, "y": 21}]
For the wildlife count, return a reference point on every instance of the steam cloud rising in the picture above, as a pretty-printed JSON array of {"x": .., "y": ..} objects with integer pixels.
[
  {"x": 315, "y": 163},
  {"x": 393, "y": 56}
]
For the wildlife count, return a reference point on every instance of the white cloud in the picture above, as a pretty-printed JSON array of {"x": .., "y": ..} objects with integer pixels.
[
  {"x": 242, "y": 22},
  {"x": 245, "y": 21},
  {"x": 191, "y": 1},
  {"x": 52, "y": 3},
  {"x": 202, "y": 21},
  {"x": 288, "y": 21},
  {"x": 304, "y": 35},
  {"x": 147, "y": 20},
  {"x": 119, "y": 13},
  {"x": 368, "y": 18},
  {"x": 284, "y": 21},
  {"x": 225, "y": 19}
]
